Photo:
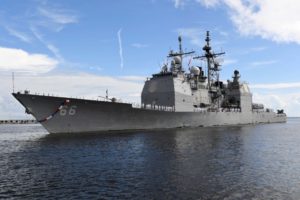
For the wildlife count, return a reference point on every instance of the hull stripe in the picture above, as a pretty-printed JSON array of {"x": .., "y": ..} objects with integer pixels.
[{"x": 55, "y": 112}]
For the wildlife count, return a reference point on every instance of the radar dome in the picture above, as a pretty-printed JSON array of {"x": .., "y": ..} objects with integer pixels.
[
  {"x": 177, "y": 60},
  {"x": 195, "y": 70}
]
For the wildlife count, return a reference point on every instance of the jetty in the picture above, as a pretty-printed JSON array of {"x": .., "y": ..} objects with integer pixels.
[{"x": 18, "y": 121}]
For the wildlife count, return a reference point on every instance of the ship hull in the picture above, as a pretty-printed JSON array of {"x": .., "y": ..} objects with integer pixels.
[{"x": 79, "y": 115}]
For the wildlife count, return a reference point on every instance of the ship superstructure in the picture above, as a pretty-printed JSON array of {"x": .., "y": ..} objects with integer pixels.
[
  {"x": 171, "y": 98},
  {"x": 185, "y": 92}
]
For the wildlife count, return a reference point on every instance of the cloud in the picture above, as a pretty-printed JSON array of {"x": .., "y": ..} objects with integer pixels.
[
  {"x": 139, "y": 45},
  {"x": 53, "y": 49},
  {"x": 56, "y": 15},
  {"x": 72, "y": 85},
  {"x": 266, "y": 62},
  {"x": 229, "y": 61},
  {"x": 42, "y": 16},
  {"x": 208, "y": 3},
  {"x": 193, "y": 34},
  {"x": 258, "y": 49},
  {"x": 22, "y": 36},
  {"x": 20, "y": 60},
  {"x": 289, "y": 102},
  {"x": 133, "y": 78},
  {"x": 278, "y": 96},
  {"x": 274, "y": 20},
  {"x": 51, "y": 17},
  {"x": 270, "y": 100},
  {"x": 128, "y": 88},
  {"x": 80, "y": 84},
  {"x": 224, "y": 33},
  {"x": 120, "y": 48},
  {"x": 179, "y": 3},
  {"x": 276, "y": 86},
  {"x": 97, "y": 68}
]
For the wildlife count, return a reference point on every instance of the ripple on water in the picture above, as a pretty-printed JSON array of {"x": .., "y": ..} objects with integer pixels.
[{"x": 238, "y": 162}]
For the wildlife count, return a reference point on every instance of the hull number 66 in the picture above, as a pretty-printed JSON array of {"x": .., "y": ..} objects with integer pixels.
[{"x": 68, "y": 110}]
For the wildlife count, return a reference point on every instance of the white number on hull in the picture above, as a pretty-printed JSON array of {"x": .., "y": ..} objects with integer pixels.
[
  {"x": 64, "y": 111},
  {"x": 72, "y": 110}
]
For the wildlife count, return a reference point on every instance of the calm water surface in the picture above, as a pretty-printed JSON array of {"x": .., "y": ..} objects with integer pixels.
[{"x": 240, "y": 162}]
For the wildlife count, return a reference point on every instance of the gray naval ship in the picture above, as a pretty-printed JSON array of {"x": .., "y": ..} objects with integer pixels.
[{"x": 171, "y": 98}]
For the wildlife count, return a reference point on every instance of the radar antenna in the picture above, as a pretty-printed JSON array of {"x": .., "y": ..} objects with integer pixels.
[
  {"x": 213, "y": 67},
  {"x": 181, "y": 53}
]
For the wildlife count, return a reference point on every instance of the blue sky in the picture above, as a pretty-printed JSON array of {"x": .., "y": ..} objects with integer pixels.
[{"x": 80, "y": 48}]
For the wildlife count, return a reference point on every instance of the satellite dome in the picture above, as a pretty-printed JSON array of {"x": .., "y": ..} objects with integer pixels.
[
  {"x": 177, "y": 60},
  {"x": 195, "y": 70}
]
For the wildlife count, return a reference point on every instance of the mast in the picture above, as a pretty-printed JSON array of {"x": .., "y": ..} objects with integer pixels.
[
  {"x": 207, "y": 49},
  {"x": 180, "y": 46},
  {"x": 181, "y": 53},
  {"x": 212, "y": 66}
]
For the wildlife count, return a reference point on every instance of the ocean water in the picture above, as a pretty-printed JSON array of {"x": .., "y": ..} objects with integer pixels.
[{"x": 234, "y": 162}]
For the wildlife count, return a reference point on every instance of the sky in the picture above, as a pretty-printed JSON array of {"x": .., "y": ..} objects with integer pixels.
[{"x": 81, "y": 48}]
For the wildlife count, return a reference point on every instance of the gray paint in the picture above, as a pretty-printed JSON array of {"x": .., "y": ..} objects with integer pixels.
[
  {"x": 177, "y": 96},
  {"x": 96, "y": 116}
]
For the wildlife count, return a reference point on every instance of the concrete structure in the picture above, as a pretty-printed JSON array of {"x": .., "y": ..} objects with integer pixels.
[{"x": 18, "y": 121}]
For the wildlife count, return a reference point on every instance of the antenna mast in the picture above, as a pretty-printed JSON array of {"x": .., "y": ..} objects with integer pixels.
[
  {"x": 181, "y": 53},
  {"x": 212, "y": 66}
]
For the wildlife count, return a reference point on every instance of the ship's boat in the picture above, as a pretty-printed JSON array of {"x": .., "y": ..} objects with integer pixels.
[{"x": 171, "y": 98}]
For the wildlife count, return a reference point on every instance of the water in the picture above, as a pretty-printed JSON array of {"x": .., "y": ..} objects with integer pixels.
[{"x": 240, "y": 162}]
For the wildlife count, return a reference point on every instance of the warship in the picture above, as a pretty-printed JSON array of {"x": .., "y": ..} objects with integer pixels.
[{"x": 171, "y": 98}]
